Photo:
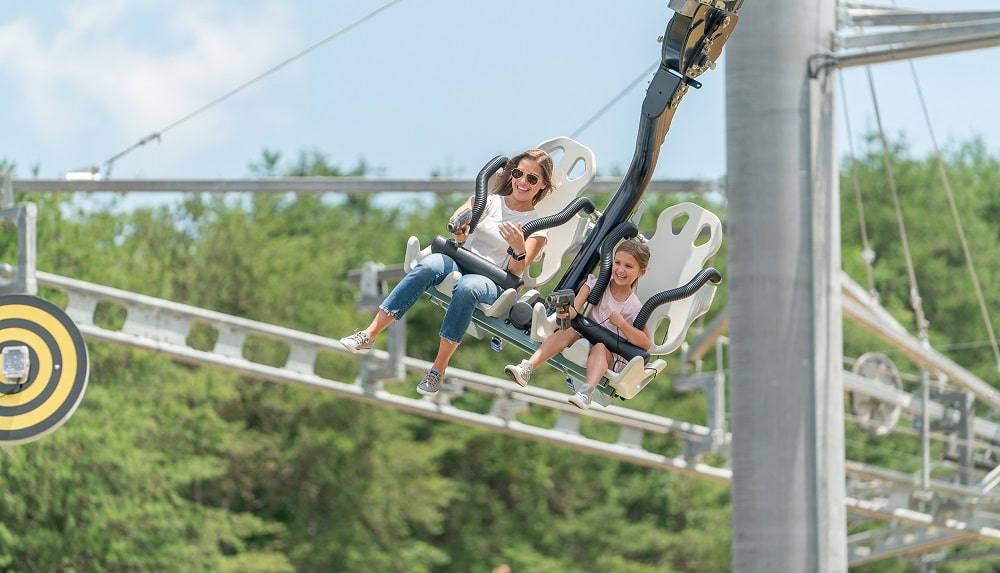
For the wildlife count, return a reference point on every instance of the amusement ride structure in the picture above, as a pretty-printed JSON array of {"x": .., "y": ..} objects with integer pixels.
[{"x": 789, "y": 428}]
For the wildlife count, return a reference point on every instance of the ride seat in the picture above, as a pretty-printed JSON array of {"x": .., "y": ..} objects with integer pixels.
[
  {"x": 574, "y": 169},
  {"x": 686, "y": 237}
]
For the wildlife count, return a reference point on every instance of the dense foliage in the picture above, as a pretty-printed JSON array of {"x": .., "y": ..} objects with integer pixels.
[
  {"x": 941, "y": 279},
  {"x": 168, "y": 467}
]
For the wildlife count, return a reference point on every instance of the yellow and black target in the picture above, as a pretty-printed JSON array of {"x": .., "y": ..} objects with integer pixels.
[{"x": 44, "y": 371}]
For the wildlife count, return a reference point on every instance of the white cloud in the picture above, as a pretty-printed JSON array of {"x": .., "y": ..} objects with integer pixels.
[{"x": 132, "y": 68}]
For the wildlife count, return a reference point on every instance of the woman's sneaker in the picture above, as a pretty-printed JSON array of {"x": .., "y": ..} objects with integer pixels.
[
  {"x": 583, "y": 398},
  {"x": 357, "y": 342},
  {"x": 431, "y": 383},
  {"x": 520, "y": 373}
]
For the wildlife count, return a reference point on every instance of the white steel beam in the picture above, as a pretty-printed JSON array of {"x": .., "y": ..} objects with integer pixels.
[{"x": 363, "y": 185}]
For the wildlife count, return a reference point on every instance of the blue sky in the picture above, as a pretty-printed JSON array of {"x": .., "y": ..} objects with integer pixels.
[{"x": 422, "y": 86}]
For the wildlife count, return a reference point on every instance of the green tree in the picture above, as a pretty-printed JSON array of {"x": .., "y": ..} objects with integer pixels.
[{"x": 172, "y": 467}]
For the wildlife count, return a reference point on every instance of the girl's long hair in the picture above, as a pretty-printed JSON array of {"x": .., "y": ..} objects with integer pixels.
[{"x": 638, "y": 250}]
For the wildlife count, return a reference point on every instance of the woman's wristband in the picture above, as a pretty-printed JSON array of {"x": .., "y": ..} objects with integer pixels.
[{"x": 510, "y": 251}]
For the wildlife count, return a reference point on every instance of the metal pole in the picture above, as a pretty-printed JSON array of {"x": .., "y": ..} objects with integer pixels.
[
  {"x": 925, "y": 432},
  {"x": 785, "y": 304}
]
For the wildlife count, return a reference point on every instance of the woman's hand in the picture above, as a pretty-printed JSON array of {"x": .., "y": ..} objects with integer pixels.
[{"x": 513, "y": 235}]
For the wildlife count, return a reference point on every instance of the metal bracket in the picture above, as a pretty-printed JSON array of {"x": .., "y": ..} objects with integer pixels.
[
  {"x": 20, "y": 279},
  {"x": 372, "y": 280},
  {"x": 713, "y": 384},
  {"x": 374, "y": 371}
]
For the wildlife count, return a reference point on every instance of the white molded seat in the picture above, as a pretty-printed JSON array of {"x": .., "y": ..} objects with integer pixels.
[
  {"x": 574, "y": 169},
  {"x": 675, "y": 258}
]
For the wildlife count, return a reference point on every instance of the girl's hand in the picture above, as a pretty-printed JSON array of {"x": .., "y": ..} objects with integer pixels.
[{"x": 618, "y": 320}]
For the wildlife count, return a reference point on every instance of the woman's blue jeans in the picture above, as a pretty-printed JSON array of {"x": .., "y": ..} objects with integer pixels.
[{"x": 431, "y": 270}]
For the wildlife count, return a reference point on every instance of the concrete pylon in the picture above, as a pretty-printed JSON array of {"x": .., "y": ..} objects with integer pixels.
[{"x": 784, "y": 292}]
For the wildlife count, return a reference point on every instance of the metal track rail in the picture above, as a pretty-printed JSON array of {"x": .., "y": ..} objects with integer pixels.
[{"x": 163, "y": 327}]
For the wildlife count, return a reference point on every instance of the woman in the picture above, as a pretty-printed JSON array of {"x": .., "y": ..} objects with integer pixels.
[{"x": 524, "y": 181}]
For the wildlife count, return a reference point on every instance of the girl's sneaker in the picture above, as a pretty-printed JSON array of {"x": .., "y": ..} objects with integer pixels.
[
  {"x": 583, "y": 398},
  {"x": 520, "y": 373}
]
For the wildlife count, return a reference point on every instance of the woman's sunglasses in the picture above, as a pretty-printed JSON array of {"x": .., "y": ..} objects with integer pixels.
[{"x": 516, "y": 173}]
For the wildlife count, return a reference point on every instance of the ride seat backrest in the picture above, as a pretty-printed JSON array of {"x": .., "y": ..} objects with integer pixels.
[
  {"x": 569, "y": 157},
  {"x": 574, "y": 169},
  {"x": 686, "y": 237}
]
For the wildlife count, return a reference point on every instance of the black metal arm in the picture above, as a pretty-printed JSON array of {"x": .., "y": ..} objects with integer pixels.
[
  {"x": 662, "y": 298},
  {"x": 625, "y": 230},
  {"x": 482, "y": 190},
  {"x": 692, "y": 42},
  {"x": 575, "y": 206}
]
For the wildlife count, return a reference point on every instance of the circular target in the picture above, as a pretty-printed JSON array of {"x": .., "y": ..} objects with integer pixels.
[
  {"x": 44, "y": 369},
  {"x": 878, "y": 418}
]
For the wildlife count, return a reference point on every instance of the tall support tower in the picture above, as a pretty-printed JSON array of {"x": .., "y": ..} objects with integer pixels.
[{"x": 784, "y": 293}]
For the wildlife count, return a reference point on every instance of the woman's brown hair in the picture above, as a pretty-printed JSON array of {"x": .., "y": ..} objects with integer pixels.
[{"x": 504, "y": 185}]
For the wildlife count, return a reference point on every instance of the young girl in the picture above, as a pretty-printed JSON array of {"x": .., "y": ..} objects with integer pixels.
[{"x": 617, "y": 310}]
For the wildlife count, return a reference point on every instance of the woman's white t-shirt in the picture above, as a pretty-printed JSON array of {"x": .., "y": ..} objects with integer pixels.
[{"x": 486, "y": 241}]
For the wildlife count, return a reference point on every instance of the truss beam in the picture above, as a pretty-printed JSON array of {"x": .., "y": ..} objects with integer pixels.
[
  {"x": 859, "y": 307},
  {"x": 355, "y": 185},
  {"x": 163, "y": 327},
  {"x": 918, "y": 34}
]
